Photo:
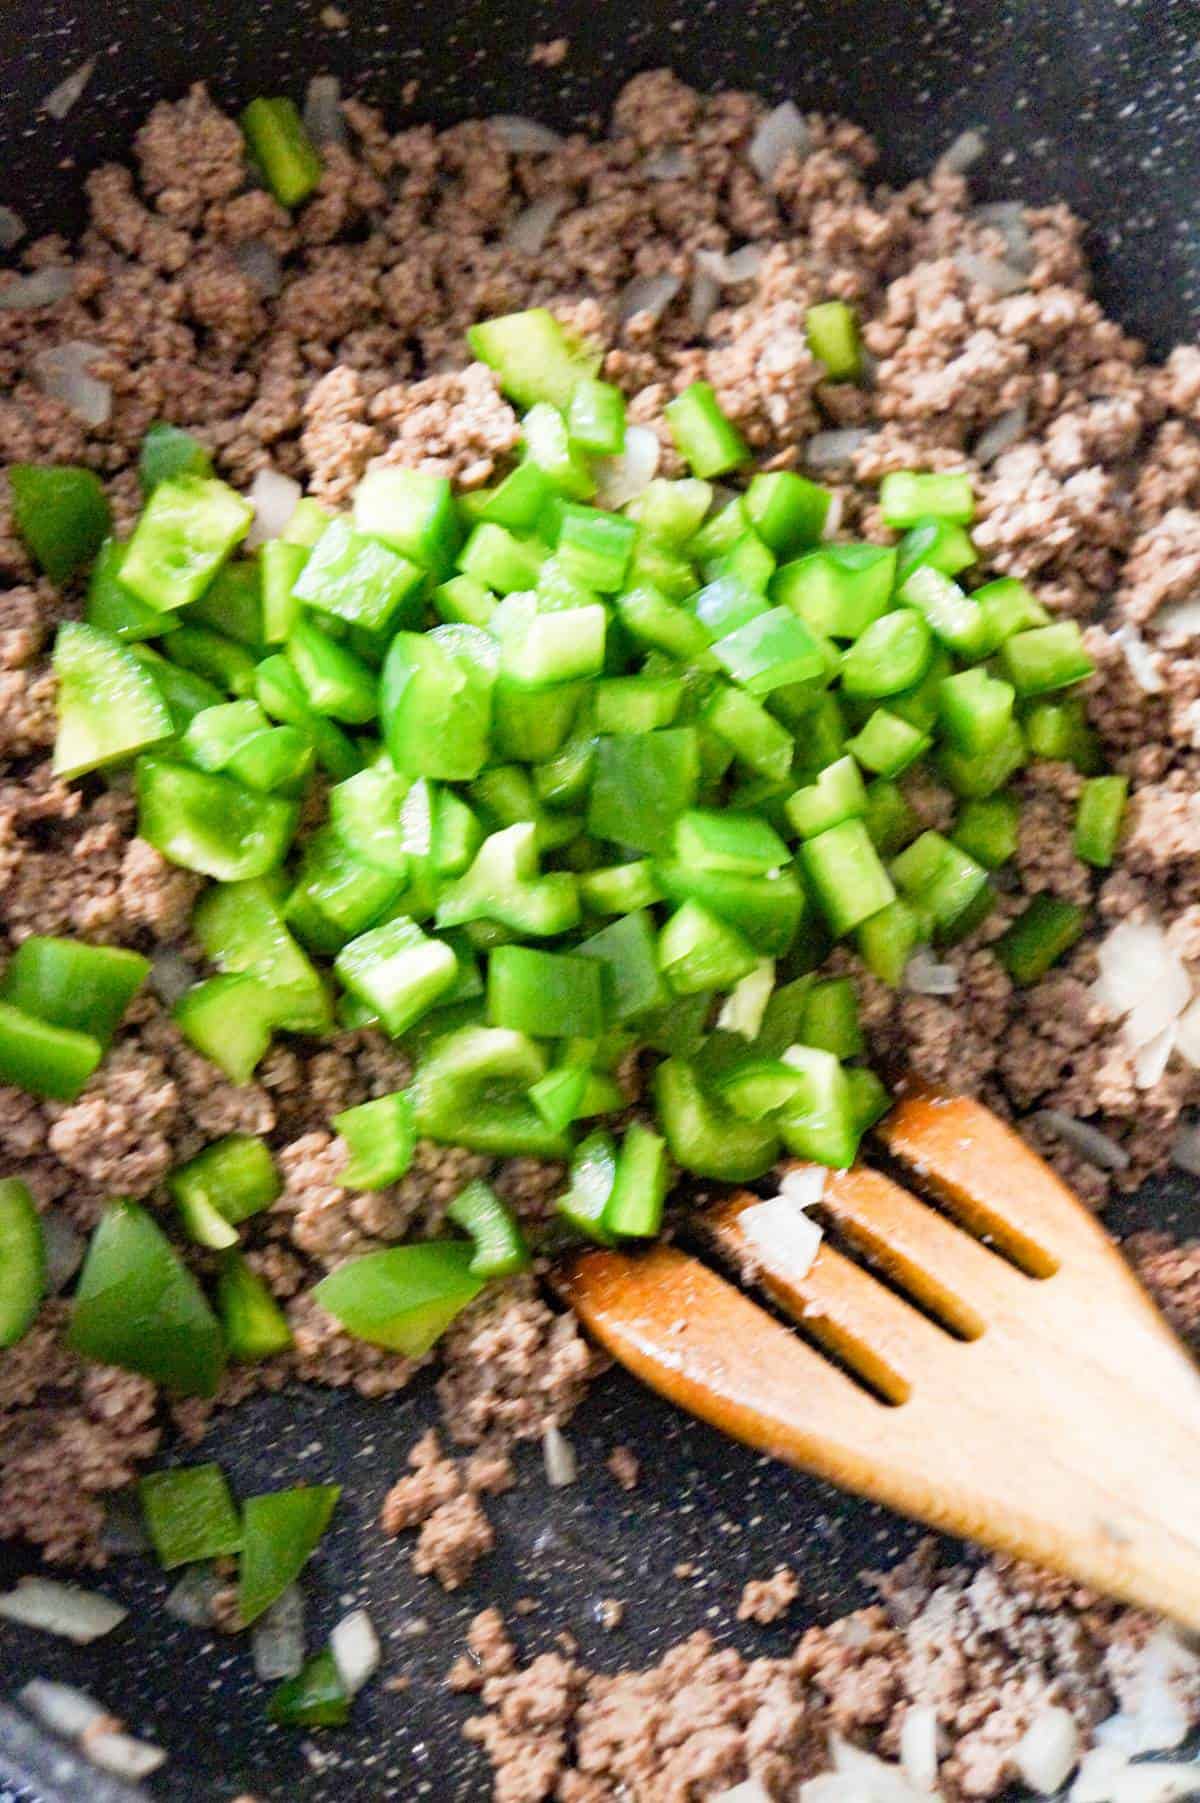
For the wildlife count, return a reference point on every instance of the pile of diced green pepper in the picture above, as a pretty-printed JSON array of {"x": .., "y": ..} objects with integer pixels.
[{"x": 598, "y": 784}]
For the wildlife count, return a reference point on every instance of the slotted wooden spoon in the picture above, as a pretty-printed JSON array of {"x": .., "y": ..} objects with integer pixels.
[{"x": 1007, "y": 1380}]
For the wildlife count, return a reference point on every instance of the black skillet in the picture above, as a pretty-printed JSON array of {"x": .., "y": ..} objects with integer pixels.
[{"x": 1097, "y": 101}]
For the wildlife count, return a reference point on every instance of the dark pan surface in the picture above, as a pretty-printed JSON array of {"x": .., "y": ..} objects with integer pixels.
[{"x": 1092, "y": 100}]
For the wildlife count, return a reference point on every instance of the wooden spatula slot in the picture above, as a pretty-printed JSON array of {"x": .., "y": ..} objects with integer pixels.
[{"x": 1061, "y": 1423}]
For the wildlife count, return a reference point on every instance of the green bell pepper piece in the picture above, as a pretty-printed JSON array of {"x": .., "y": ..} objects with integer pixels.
[
  {"x": 232, "y": 604},
  {"x": 831, "y": 328},
  {"x": 62, "y": 513},
  {"x": 184, "y": 693},
  {"x": 635, "y": 1205},
  {"x": 955, "y": 618},
  {"x": 109, "y": 705},
  {"x": 472, "y": 1090},
  {"x": 503, "y": 886},
  {"x": 551, "y": 995},
  {"x": 233, "y": 1179},
  {"x": 241, "y": 928},
  {"x": 22, "y": 1261},
  {"x": 941, "y": 544},
  {"x": 891, "y": 822},
  {"x": 982, "y": 774},
  {"x": 1008, "y": 606},
  {"x": 757, "y": 740},
  {"x": 838, "y": 794},
  {"x": 168, "y": 451},
  {"x": 314, "y": 1698},
  {"x": 767, "y": 910},
  {"x": 594, "y": 547},
  {"x": 280, "y": 1533},
  {"x": 726, "y": 604},
  {"x": 188, "y": 528},
  {"x": 830, "y": 1018},
  {"x": 281, "y": 564},
  {"x": 787, "y": 511},
  {"x": 706, "y": 440},
  {"x": 548, "y": 447},
  {"x": 939, "y": 877},
  {"x": 660, "y": 624},
  {"x": 278, "y": 142},
  {"x": 844, "y": 870},
  {"x": 189, "y": 1515},
  {"x": 499, "y": 1245},
  {"x": 215, "y": 657},
  {"x": 1039, "y": 937},
  {"x": 1045, "y": 658},
  {"x": 336, "y": 682},
  {"x": 210, "y": 824},
  {"x": 1100, "y": 811},
  {"x": 337, "y": 895},
  {"x": 839, "y": 590},
  {"x": 45, "y": 1060},
  {"x": 890, "y": 655},
  {"x": 888, "y": 939},
  {"x": 411, "y": 511},
  {"x": 671, "y": 513},
  {"x": 230, "y": 1020},
  {"x": 356, "y": 578},
  {"x": 1060, "y": 730},
  {"x": 698, "y": 951},
  {"x": 138, "y": 1306},
  {"x": 703, "y": 1135},
  {"x": 708, "y": 839},
  {"x": 887, "y": 744},
  {"x": 593, "y": 1170},
  {"x": 975, "y": 711},
  {"x": 254, "y": 1325},
  {"x": 986, "y": 829},
  {"x": 620, "y": 888},
  {"x": 113, "y": 608},
  {"x": 402, "y": 1299},
  {"x": 517, "y": 502},
  {"x": 822, "y": 1123},
  {"x": 641, "y": 783},
  {"x": 281, "y": 694},
  {"x": 86, "y": 988},
  {"x": 381, "y": 1136},
  {"x": 397, "y": 971},
  {"x": 535, "y": 358},
  {"x": 436, "y": 705},
  {"x": 628, "y": 950},
  {"x": 907, "y": 496},
  {"x": 770, "y": 652},
  {"x": 596, "y": 417}
]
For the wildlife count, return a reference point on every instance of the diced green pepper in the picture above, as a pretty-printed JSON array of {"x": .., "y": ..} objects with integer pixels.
[
  {"x": 939, "y": 543},
  {"x": 830, "y": 1018},
  {"x": 404, "y": 1298},
  {"x": 254, "y": 1325},
  {"x": 411, "y": 511},
  {"x": 500, "y": 1249},
  {"x": 838, "y": 794},
  {"x": 1060, "y": 730},
  {"x": 230, "y": 1020},
  {"x": 907, "y": 496},
  {"x": 381, "y": 1136},
  {"x": 839, "y": 590},
  {"x": 670, "y": 513},
  {"x": 627, "y": 949},
  {"x": 242, "y": 929},
  {"x": 888, "y": 939},
  {"x": 641, "y": 783},
  {"x": 42, "y": 1059},
  {"x": 280, "y": 145},
  {"x": 786, "y": 510},
  {"x": 938, "y": 877},
  {"x": 337, "y": 895},
  {"x": 227, "y": 1183},
  {"x": 336, "y": 682},
  {"x": 397, "y": 971},
  {"x": 503, "y": 885},
  {"x": 113, "y": 608},
  {"x": 887, "y": 744},
  {"x": 356, "y": 578},
  {"x": 593, "y": 1169},
  {"x": 464, "y": 601},
  {"x": 635, "y": 1205},
  {"x": 472, "y": 1090},
  {"x": 280, "y": 1533},
  {"x": 435, "y": 706},
  {"x": 890, "y": 820},
  {"x": 189, "y": 1514},
  {"x": 707, "y": 441},
  {"x": 620, "y": 888},
  {"x": 890, "y": 655},
  {"x": 770, "y": 652},
  {"x": 168, "y": 451},
  {"x": 189, "y": 526},
  {"x": 232, "y": 604},
  {"x": 756, "y": 739},
  {"x": 1008, "y": 606},
  {"x": 282, "y": 564},
  {"x": 1098, "y": 818},
  {"x": 832, "y": 331},
  {"x": 986, "y": 828},
  {"x": 704, "y": 1136},
  {"x": 975, "y": 710},
  {"x": 548, "y": 649},
  {"x": 551, "y": 995},
  {"x": 109, "y": 705},
  {"x": 534, "y": 357},
  {"x": 596, "y": 417},
  {"x": 548, "y": 447},
  {"x": 710, "y": 840},
  {"x": 62, "y": 513},
  {"x": 22, "y": 1261},
  {"x": 86, "y": 988},
  {"x": 138, "y": 1306},
  {"x": 1039, "y": 937},
  {"x": 660, "y": 624},
  {"x": 767, "y": 910},
  {"x": 955, "y": 617},
  {"x": 822, "y": 1123},
  {"x": 517, "y": 502},
  {"x": 985, "y": 772},
  {"x": 698, "y": 951},
  {"x": 210, "y": 824},
  {"x": 314, "y": 1698},
  {"x": 1045, "y": 658},
  {"x": 844, "y": 870}
]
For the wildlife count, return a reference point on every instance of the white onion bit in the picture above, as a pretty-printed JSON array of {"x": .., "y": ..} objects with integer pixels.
[
  {"x": 528, "y": 232},
  {"x": 961, "y": 154},
  {"x": 62, "y": 1609},
  {"x": 356, "y": 1650},
  {"x": 1006, "y": 430},
  {"x": 64, "y": 1250},
  {"x": 62, "y": 372},
  {"x": 727, "y": 269},
  {"x": 123, "y": 1756},
  {"x": 671, "y": 164},
  {"x": 622, "y": 478},
  {"x": 1048, "y": 1751},
  {"x": 323, "y": 110},
  {"x": 834, "y": 449},
  {"x": 1008, "y": 218},
  {"x": 783, "y": 1235},
  {"x": 752, "y": 1791},
  {"x": 925, "y": 975},
  {"x": 1155, "y": 1698},
  {"x": 12, "y": 228},
  {"x": 1098, "y": 1148},
  {"x": 648, "y": 294},
  {"x": 702, "y": 300},
  {"x": 60, "y": 1707},
  {"x": 1179, "y": 621},
  {"x": 193, "y": 1598},
  {"x": 261, "y": 264},
  {"x": 41, "y": 289},
  {"x": 919, "y": 1746},
  {"x": 60, "y": 100},
  {"x": 805, "y": 1186},
  {"x": 524, "y": 137},
  {"x": 993, "y": 273},
  {"x": 170, "y": 974},
  {"x": 782, "y": 130},
  {"x": 559, "y": 1456},
  {"x": 743, "y": 1008},
  {"x": 277, "y": 1638},
  {"x": 1145, "y": 666},
  {"x": 273, "y": 497},
  {"x": 1151, "y": 1060},
  {"x": 1185, "y": 1153}
]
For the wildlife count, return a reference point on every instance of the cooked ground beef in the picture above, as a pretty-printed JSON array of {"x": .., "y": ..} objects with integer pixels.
[{"x": 360, "y": 356}]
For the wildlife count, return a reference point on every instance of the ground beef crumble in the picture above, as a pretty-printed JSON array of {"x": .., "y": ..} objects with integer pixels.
[{"x": 360, "y": 356}]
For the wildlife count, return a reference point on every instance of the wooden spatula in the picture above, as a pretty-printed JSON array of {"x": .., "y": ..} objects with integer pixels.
[{"x": 996, "y": 1369}]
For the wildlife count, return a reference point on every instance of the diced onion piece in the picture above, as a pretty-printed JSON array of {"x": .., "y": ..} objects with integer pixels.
[
  {"x": 12, "y": 228},
  {"x": 528, "y": 232},
  {"x": 124, "y": 1532},
  {"x": 1155, "y": 1697},
  {"x": 41, "y": 289},
  {"x": 1145, "y": 666},
  {"x": 524, "y": 137},
  {"x": 1151, "y": 1060},
  {"x": 170, "y": 974},
  {"x": 919, "y": 1746},
  {"x": 834, "y": 449},
  {"x": 671, "y": 164},
  {"x": 1006, "y": 430},
  {"x": 876, "y": 1781},
  {"x": 751, "y": 1791},
  {"x": 62, "y": 1609},
  {"x": 1048, "y": 1751},
  {"x": 273, "y": 497},
  {"x": 1098, "y": 1771},
  {"x": 1161, "y": 1783},
  {"x": 60, "y": 1707},
  {"x": 1098, "y": 1148},
  {"x": 193, "y": 1599},
  {"x": 726, "y": 270},
  {"x": 622, "y": 478},
  {"x": 703, "y": 299},
  {"x": 61, "y": 371},
  {"x": 1185, "y": 1153},
  {"x": 1132, "y": 959},
  {"x": 648, "y": 294},
  {"x": 805, "y": 1186},
  {"x": 1008, "y": 218},
  {"x": 261, "y": 264},
  {"x": 926, "y": 975},
  {"x": 992, "y": 273},
  {"x": 782, "y": 130},
  {"x": 123, "y": 1756},
  {"x": 323, "y": 110},
  {"x": 1177, "y": 622},
  {"x": 743, "y": 1008},
  {"x": 559, "y": 1457},
  {"x": 833, "y": 516},
  {"x": 356, "y": 1650},
  {"x": 277, "y": 1637},
  {"x": 60, "y": 100},
  {"x": 1161, "y": 1005},
  {"x": 64, "y": 1250},
  {"x": 783, "y": 1234},
  {"x": 961, "y": 154}
]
